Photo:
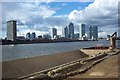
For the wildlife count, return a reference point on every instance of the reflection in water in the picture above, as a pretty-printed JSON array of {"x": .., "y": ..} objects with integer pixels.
[{"x": 11, "y": 45}]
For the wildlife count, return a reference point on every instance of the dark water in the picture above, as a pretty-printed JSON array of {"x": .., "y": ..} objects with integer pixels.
[{"x": 10, "y": 52}]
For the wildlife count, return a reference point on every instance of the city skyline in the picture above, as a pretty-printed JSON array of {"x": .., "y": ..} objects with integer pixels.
[
  {"x": 40, "y": 17},
  {"x": 68, "y": 33}
]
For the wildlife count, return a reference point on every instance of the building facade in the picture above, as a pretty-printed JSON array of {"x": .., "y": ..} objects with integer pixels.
[
  {"x": 40, "y": 37},
  {"x": 71, "y": 30},
  {"x": 53, "y": 33},
  {"x": 81, "y": 30},
  {"x": 76, "y": 36},
  {"x": 93, "y": 32},
  {"x": 47, "y": 36},
  {"x": 32, "y": 36},
  {"x": 11, "y": 30},
  {"x": 65, "y": 32},
  {"x": 20, "y": 38},
  {"x": 90, "y": 32}
]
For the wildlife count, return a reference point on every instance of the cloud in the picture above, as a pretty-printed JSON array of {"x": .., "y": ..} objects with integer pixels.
[
  {"x": 25, "y": 10},
  {"x": 75, "y": 15},
  {"x": 46, "y": 11},
  {"x": 39, "y": 18},
  {"x": 64, "y": 4},
  {"x": 32, "y": 17},
  {"x": 102, "y": 34},
  {"x": 101, "y": 13},
  {"x": 56, "y": 21},
  {"x": 28, "y": 15}
]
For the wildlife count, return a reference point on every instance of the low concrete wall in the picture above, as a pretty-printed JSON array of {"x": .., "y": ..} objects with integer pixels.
[
  {"x": 22, "y": 67},
  {"x": 94, "y": 51}
]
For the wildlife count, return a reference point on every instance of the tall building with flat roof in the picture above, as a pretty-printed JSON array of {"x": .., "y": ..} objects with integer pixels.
[
  {"x": 71, "y": 30},
  {"x": 32, "y": 36},
  {"x": 90, "y": 32},
  {"x": 53, "y": 33},
  {"x": 65, "y": 32},
  {"x": 11, "y": 30},
  {"x": 81, "y": 30},
  {"x": 93, "y": 31}
]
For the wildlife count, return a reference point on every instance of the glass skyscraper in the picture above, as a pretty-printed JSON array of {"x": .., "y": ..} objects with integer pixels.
[
  {"x": 65, "y": 32},
  {"x": 53, "y": 33},
  {"x": 81, "y": 30},
  {"x": 32, "y": 36},
  {"x": 71, "y": 30},
  {"x": 90, "y": 32},
  {"x": 93, "y": 32}
]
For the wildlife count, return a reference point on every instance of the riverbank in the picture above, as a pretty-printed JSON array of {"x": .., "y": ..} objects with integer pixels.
[
  {"x": 8, "y": 42},
  {"x": 82, "y": 67},
  {"x": 22, "y": 67}
]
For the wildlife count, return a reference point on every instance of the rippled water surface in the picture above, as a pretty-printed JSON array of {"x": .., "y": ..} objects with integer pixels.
[{"x": 10, "y": 52}]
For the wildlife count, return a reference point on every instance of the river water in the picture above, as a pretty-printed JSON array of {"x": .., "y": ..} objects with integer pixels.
[{"x": 11, "y": 52}]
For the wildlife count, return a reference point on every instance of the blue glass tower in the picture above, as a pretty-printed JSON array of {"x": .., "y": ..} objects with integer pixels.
[{"x": 81, "y": 30}]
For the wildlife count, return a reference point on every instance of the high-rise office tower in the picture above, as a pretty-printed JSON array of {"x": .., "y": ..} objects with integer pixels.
[
  {"x": 71, "y": 30},
  {"x": 65, "y": 32},
  {"x": 93, "y": 31},
  {"x": 81, "y": 30},
  {"x": 53, "y": 33},
  {"x": 32, "y": 36},
  {"x": 90, "y": 32},
  {"x": 11, "y": 30}
]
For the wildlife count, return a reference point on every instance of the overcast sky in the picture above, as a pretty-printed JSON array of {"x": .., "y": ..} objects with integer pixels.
[{"x": 40, "y": 17}]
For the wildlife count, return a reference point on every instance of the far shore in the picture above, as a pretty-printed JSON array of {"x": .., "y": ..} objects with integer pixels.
[{"x": 7, "y": 42}]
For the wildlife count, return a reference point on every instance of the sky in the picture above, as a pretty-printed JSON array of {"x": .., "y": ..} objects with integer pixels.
[{"x": 40, "y": 16}]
